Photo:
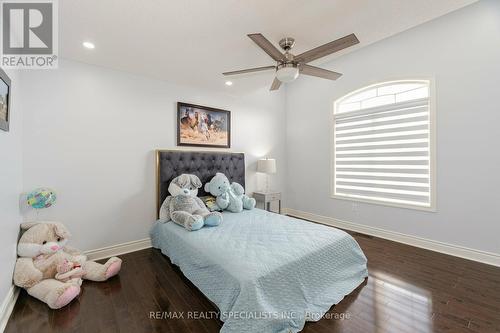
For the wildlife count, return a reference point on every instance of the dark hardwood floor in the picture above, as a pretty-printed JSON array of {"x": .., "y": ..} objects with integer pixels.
[{"x": 408, "y": 290}]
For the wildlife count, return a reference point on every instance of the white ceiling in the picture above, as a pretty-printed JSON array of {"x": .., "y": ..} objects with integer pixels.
[{"x": 192, "y": 41}]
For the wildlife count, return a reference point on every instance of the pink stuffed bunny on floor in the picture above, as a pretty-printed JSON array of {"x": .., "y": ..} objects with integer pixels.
[{"x": 51, "y": 271}]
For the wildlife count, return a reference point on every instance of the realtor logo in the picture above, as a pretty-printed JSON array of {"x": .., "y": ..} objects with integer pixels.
[{"x": 29, "y": 34}]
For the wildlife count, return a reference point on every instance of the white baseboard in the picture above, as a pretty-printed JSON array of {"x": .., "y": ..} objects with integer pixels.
[
  {"x": 428, "y": 244},
  {"x": 7, "y": 306},
  {"x": 118, "y": 249}
]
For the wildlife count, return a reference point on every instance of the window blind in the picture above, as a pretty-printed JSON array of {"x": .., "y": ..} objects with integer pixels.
[{"x": 383, "y": 154}]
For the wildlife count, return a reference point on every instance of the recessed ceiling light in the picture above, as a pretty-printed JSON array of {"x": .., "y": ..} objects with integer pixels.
[
  {"x": 89, "y": 45},
  {"x": 229, "y": 83}
]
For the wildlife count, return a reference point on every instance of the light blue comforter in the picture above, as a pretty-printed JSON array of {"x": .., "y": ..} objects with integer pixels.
[{"x": 265, "y": 272}]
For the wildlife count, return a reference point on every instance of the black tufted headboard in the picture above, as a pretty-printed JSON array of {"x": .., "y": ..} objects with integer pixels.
[{"x": 204, "y": 164}]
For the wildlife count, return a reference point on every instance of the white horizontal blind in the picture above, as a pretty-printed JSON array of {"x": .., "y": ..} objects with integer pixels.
[{"x": 382, "y": 145}]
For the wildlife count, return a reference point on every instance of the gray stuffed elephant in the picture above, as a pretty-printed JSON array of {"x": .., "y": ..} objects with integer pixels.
[{"x": 184, "y": 207}]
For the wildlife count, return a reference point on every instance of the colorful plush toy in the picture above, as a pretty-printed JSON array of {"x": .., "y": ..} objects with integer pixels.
[
  {"x": 51, "y": 271},
  {"x": 184, "y": 207},
  {"x": 229, "y": 197},
  {"x": 41, "y": 198}
]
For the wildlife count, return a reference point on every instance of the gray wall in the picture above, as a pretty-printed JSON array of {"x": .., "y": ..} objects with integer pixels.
[
  {"x": 461, "y": 52},
  {"x": 10, "y": 187}
]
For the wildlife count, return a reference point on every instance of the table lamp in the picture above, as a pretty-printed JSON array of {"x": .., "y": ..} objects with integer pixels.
[{"x": 267, "y": 166}]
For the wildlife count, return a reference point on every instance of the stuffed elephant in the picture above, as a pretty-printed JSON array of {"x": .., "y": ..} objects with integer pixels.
[
  {"x": 229, "y": 197},
  {"x": 51, "y": 271},
  {"x": 184, "y": 207}
]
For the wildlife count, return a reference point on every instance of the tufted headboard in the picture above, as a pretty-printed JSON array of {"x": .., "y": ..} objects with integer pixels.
[{"x": 204, "y": 164}]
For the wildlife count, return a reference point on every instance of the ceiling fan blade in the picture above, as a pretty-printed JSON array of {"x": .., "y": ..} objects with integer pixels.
[
  {"x": 266, "y": 45},
  {"x": 319, "y": 72},
  {"x": 250, "y": 70},
  {"x": 327, "y": 48},
  {"x": 276, "y": 84}
]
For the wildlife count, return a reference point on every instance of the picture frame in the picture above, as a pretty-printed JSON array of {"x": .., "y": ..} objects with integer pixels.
[
  {"x": 5, "y": 92},
  {"x": 203, "y": 126}
]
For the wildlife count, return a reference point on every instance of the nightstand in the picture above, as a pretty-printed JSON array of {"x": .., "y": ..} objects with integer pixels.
[{"x": 267, "y": 198}]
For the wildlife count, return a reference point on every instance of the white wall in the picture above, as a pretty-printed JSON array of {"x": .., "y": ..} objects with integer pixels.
[
  {"x": 461, "y": 51},
  {"x": 10, "y": 187},
  {"x": 90, "y": 133}
]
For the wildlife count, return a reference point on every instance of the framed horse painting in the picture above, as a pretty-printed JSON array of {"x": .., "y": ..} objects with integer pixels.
[{"x": 203, "y": 126}]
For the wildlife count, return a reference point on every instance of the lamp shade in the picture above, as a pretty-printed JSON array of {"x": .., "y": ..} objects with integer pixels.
[{"x": 267, "y": 165}]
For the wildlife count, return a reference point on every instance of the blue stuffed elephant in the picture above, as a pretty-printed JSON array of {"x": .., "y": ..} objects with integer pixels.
[{"x": 229, "y": 197}]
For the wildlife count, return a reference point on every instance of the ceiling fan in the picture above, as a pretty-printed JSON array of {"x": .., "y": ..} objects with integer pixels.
[{"x": 289, "y": 66}]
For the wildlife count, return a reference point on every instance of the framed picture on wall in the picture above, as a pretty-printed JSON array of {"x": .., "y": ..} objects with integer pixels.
[
  {"x": 203, "y": 126},
  {"x": 4, "y": 100}
]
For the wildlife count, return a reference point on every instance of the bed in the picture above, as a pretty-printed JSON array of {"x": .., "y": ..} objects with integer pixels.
[{"x": 265, "y": 272}]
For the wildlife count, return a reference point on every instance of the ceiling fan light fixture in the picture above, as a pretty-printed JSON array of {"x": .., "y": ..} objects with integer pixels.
[
  {"x": 287, "y": 72},
  {"x": 289, "y": 65},
  {"x": 88, "y": 45}
]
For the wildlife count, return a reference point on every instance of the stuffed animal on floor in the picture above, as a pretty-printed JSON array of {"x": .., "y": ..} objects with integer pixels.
[
  {"x": 68, "y": 271},
  {"x": 51, "y": 271},
  {"x": 184, "y": 207},
  {"x": 229, "y": 197}
]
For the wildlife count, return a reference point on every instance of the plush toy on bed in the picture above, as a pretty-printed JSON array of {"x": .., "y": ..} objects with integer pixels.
[
  {"x": 184, "y": 207},
  {"x": 51, "y": 271},
  {"x": 229, "y": 197}
]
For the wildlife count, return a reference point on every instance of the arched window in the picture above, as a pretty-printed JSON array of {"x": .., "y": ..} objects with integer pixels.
[{"x": 383, "y": 145}]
